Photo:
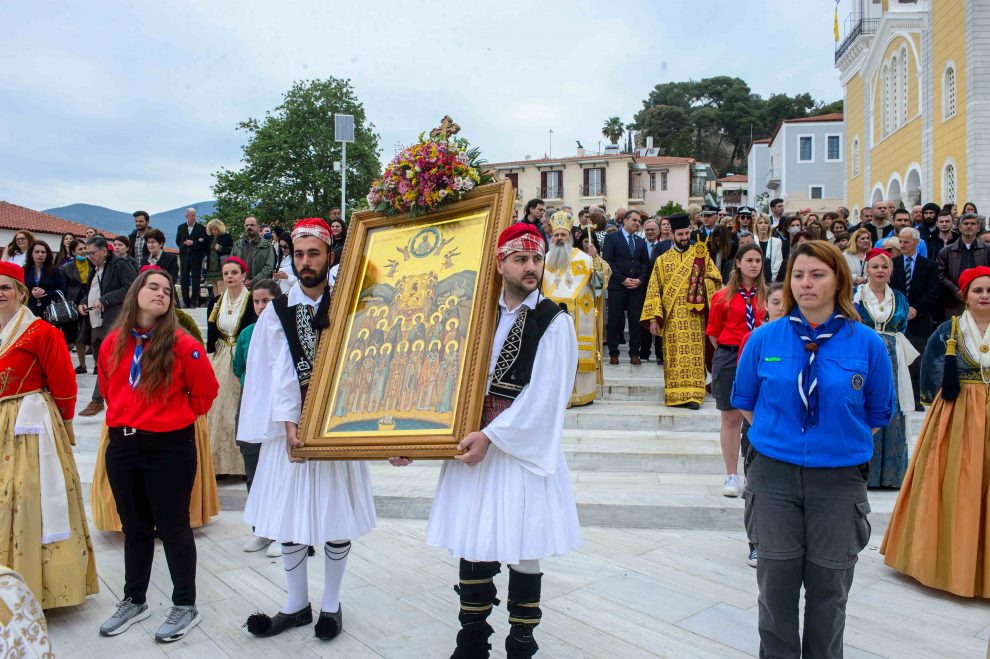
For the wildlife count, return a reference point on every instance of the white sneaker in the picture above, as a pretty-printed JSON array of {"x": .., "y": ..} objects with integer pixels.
[
  {"x": 731, "y": 486},
  {"x": 274, "y": 549},
  {"x": 255, "y": 543}
]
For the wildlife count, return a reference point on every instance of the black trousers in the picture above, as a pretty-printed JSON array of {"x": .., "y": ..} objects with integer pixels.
[
  {"x": 96, "y": 336},
  {"x": 623, "y": 303},
  {"x": 919, "y": 341},
  {"x": 809, "y": 526},
  {"x": 191, "y": 267},
  {"x": 649, "y": 341},
  {"x": 250, "y": 451},
  {"x": 151, "y": 475}
]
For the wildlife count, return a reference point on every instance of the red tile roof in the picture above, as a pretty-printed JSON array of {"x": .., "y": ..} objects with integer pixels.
[
  {"x": 735, "y": 178},
  {"x": 765, "y": 140},
  {"x": 17, "y": 217},
  {"x": 654, "y": 161},
  {"x": 540, "y": 161}
]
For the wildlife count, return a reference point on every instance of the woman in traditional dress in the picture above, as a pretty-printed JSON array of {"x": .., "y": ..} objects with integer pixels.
[
  {"x": 939, "y": 528},
  {"x": 43, "y": 532},
  {"x": 204, "y": 502},
  {"x": 232, "y": 311},
  {"x": 155, "y": 381},
  {"x": 886, "y": 311}
]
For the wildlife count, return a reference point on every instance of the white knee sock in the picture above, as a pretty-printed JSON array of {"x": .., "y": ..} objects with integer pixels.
[
  {"x": 294, "y": 563},
  {"x": 335, "y": 561},
  {"x": 527, "y": 566}
]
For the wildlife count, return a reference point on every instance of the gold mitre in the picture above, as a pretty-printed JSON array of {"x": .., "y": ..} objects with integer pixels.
[{"x": 561, "y": 220}]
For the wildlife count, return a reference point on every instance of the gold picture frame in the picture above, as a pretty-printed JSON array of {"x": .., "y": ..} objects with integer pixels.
[{"x": 402, "y": 368}]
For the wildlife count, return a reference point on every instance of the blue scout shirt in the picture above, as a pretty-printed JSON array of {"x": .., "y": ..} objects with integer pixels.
[{"x": 856, "y": 394}]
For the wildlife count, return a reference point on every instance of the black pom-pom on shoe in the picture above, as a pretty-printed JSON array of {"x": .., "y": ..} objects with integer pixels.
[
  {"x": 262, "y": 625},
  {"x": 258, "y": 623},
  {"x": 329, "y": 625}
]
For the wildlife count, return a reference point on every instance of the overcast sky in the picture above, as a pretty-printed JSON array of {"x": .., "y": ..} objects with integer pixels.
[{"x": 133, "y": 105}]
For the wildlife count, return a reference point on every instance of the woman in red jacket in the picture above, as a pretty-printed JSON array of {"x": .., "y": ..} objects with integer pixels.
[{"x": 156, "y": 380}]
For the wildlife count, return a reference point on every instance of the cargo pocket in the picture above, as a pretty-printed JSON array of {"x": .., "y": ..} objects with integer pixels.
[
  {"x": 861, "y": 529},
  {"x": 749, "y": 517}
]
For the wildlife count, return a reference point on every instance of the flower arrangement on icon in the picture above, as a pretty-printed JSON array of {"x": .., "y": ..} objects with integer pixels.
[{"x": 423, "y": 177}]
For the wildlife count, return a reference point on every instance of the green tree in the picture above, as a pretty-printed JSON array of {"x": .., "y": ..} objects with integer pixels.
[
  {"x": 671, "y": 129},
  {"x": 288, "y": 159},
  {"x": 670, "y": 208},
  {"x": 613, "y": 129}
]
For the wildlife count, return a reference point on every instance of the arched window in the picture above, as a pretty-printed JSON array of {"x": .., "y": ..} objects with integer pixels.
[
  {"x": 855, "y": 156},
  {"x": 949, "y": 184},
  {"x": 905, "y": 99},
  {"x": 949, "y": 92},
  {"x": 885, "y": 101},
  {"x": 895, "y": 94}
]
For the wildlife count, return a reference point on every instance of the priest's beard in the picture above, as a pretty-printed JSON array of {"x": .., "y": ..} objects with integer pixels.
[{"x": 559, "y": 256}]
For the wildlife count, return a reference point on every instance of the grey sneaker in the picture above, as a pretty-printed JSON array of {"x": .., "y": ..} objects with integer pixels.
[
  {"x": 127, "y": 614},
  {"x": 178, "y": 622}
]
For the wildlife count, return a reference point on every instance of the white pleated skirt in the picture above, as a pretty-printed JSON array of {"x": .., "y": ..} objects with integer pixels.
[
  {"x": 500, "y": 511},
  {"x": 311, "y": 502}
]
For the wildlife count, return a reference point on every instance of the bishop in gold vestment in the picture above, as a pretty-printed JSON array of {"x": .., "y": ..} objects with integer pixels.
[
  {"x": 572, "y": 278},
  {"x": 679, "y": 293}
]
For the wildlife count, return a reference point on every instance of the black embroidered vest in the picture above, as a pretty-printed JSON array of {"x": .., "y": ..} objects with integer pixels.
[
  {"x": 514, "y": 366},
  {"x": 297, "y": 323}
]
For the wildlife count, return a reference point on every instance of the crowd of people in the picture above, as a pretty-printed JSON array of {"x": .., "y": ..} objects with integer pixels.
[{"x": 814, "y": 335}]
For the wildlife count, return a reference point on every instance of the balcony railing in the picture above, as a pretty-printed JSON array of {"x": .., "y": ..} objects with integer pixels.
[
  {"x": 637, "y": 192},
  {"x": 593, "y": 190},
  {"x": 552, "y": 193},
  {"x": 856, "y": 26}
]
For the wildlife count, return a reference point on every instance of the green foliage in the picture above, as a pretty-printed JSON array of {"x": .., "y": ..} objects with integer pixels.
[
  {"x": 713, "y": 120},
  {"x": 288, "y": 159},
  {"x": 613, "y": 129},
  {"x": 671, "y": 208}
]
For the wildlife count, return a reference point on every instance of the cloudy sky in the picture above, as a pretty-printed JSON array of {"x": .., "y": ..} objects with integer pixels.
[{"x": 133, "y": 105}]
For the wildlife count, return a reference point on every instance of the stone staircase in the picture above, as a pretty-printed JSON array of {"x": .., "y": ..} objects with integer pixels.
[{"x": 633, "y": 462}]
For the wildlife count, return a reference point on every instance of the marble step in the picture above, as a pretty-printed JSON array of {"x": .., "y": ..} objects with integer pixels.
[
  {"x": 649, "y": 451},
  {"x": 614, "y": 499}
]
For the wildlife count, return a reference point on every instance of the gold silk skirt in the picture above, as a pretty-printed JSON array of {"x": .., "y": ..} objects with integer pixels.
[
  {"x": 203, "y": 504},
  {"x": 60, "y": 573},
  {"x": 939, "y": 531},
  {"x": 222, "y": 416}
]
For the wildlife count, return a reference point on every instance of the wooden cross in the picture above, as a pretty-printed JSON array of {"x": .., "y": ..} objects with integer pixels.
[{"x": 446, "y": 129}]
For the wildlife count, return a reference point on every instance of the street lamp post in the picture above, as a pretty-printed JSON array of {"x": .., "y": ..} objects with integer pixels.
[{"x": 343, "y": 133}]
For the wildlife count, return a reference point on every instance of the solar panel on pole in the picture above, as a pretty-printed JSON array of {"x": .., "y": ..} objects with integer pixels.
[{"x": 343, "y": 129}]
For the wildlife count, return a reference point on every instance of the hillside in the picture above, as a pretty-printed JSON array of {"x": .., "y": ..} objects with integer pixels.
[{"x": 121, "y": 222}]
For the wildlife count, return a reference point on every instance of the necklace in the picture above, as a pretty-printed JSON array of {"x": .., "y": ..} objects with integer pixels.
[
  {"x": 977, "y": 344},
  {"x": 13, "y": 331},
  {"x": 232, "y": 304}
]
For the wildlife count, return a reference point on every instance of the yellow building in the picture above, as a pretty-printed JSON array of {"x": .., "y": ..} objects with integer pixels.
[{"x": 916, "y": 75}]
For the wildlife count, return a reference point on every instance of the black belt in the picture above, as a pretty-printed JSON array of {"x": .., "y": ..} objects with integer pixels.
[{"x": 729, "y": 348}]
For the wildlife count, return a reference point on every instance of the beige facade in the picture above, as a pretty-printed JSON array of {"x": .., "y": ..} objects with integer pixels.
[{"x": 610, "y": 181}]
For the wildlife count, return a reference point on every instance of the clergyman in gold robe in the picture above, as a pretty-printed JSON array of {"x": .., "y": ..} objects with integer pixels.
[
  {"x": 571, "y": 278},
  {"x": 678, "y": 296}
]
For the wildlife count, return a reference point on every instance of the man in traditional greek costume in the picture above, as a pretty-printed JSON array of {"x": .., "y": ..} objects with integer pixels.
[
  {"x": 507, "y": 498},
  {"x": 679, "y": 293},
  {"x": 571, "y": 279},
  {"x": 298, "y": 503}
]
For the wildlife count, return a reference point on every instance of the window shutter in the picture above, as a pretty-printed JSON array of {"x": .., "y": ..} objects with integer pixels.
[
  {"x": 515, "y": 180},
  {"x": 602, "y": 170},
  {"x": 543, "y": 183},
  {"x": 586, "y": 183}
]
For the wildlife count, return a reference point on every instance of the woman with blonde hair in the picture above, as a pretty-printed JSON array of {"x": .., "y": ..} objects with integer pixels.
[
  {"x": 43, "y": 532},
  {"x": 219, "y": 245},
  {"x": 18, "y": 248},
  {"x": 771, "y": 246},
  {"x": 860, "y": 244}
]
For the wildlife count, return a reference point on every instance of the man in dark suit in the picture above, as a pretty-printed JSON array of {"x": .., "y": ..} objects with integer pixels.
[
  {"x": 917, "y": 278},
  {"x": 654, "y": 248},
  {"x": 191, "y": 241},
  {"x": 626, "y": 254}
]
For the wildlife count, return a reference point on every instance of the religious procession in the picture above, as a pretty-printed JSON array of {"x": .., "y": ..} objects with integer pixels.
[{"x": 617, "y": 402}]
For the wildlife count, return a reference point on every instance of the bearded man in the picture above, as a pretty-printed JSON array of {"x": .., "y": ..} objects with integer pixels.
[
  {"x": 679, "y": 293},
  {"x": 571, "y": 279}
]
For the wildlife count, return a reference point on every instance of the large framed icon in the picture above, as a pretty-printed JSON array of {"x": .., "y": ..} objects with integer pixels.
[{"x": 402, "y": 368}]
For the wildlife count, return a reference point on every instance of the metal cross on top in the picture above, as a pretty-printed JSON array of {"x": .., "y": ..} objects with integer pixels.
[{"x": 446, "y": 129}]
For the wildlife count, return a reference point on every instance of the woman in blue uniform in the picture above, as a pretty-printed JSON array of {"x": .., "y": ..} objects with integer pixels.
[{"x": 815, "y": 387}]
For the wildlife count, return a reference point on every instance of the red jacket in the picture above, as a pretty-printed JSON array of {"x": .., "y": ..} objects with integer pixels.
[
  {"x": 39, "y": 359},
  {"x": 191, "y": 393}
]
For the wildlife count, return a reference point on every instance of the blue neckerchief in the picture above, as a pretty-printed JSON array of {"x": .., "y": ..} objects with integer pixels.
[
  {"x": 808, "y": 377},
  {"x": 135, "y": 376}
]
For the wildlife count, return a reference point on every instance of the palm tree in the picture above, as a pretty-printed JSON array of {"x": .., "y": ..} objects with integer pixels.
[{"x": 613, "y": 129}]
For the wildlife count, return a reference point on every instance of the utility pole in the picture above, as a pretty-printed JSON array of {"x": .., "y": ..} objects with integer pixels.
[
  {"x": 550, "y": 154},
  {"x": 343, "y": 133}
]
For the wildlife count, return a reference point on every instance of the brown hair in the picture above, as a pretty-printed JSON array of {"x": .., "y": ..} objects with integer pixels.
[
  {"x": 12, "y": 249},
  {"x": 156, "y": 235},
  {"x": 735, "y": 278},
  {"x": 830, "y": 255},
  {"x": 158, "y": 359}
]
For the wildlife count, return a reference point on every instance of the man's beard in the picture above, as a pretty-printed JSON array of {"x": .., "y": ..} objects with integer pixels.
[
  {"x": 558, "y": 257},
  {"x": 310, "y": 278}
]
